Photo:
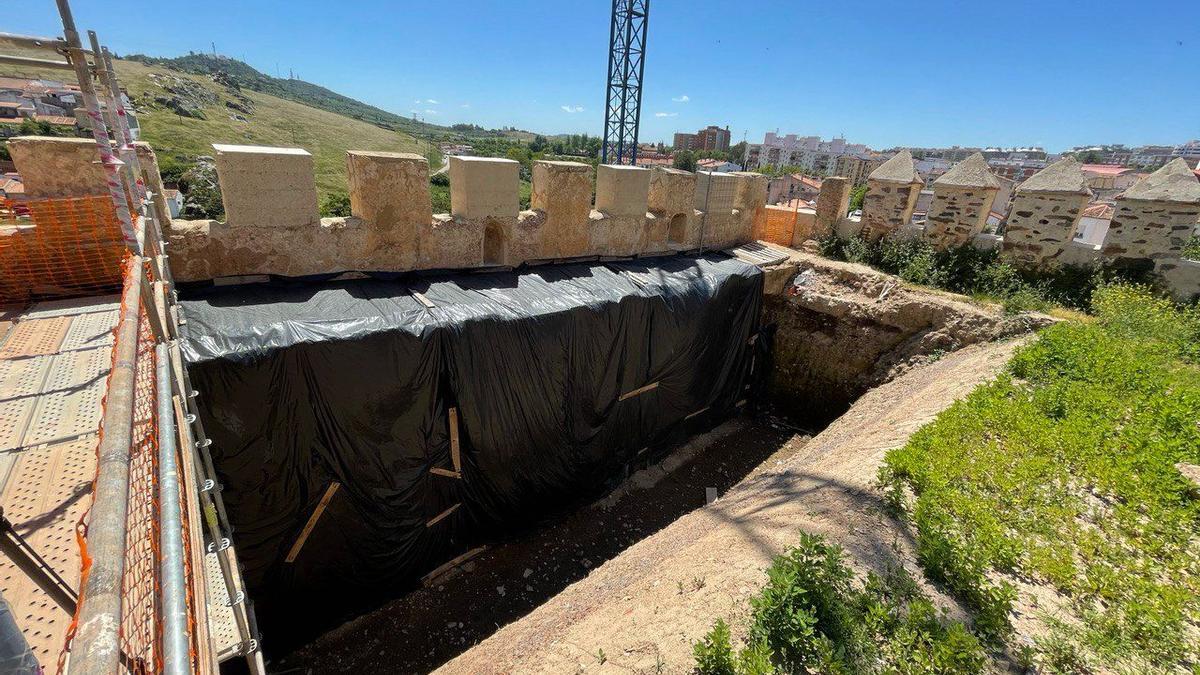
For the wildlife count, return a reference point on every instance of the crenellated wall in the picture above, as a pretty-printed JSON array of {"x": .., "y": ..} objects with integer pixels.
[{"x": 272, "y": 225}]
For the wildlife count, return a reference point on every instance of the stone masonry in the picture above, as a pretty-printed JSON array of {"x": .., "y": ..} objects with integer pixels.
[
  {"x": 1044, "y": 215},
  {"x": 833, "y": 202},
  {"x": 1155, "y": 217},
  {"x": 58, "y": 167},
  {"x": 892, "y": 191},
  {"x": 962, "y": 199},
  {"x": 670, "y": 204}
]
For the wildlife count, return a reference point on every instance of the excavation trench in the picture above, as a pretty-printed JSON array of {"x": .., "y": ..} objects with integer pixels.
[{"x": 531, "y": 425}]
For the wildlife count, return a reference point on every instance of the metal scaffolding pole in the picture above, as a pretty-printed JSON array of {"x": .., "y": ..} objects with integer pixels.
[
  {"x": 176, "y": 659},
  {"x": 99, "y": 618},
  {"x": 116, "y": 190}
]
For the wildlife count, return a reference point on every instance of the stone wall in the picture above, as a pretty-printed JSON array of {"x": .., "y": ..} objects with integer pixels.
[
  {"x": 957, "y": 215},
  {"x": 1041, "y": 226},
  {"x": 273, "y": 226}
]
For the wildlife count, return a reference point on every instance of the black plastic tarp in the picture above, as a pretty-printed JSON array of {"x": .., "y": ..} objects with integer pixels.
[{"x": 352, "y": 381}]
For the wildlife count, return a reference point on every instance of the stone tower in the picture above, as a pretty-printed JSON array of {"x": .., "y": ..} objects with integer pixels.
[
  {"x": 1155, "y": 217},
  {"x": 1044, "y": 214},
  {"x": 892, "y": 192},
  {"x": 962, "y": 199}
]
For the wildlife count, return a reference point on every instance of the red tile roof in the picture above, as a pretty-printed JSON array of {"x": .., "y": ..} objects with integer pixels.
[
  {"x": 1105, "y": 169},
  {"x": 1098, "y": 210},
  {"x": 57, "y": 119}
]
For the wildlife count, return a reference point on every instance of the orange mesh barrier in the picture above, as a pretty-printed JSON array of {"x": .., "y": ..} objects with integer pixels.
[
  {"x": 68, "y": 248},
  {"x": 776, "y": 225},
  {"x": 141, "y": 592}
]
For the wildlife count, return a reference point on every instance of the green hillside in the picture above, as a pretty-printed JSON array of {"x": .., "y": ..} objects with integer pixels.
[{"x": 182, "y": 114}]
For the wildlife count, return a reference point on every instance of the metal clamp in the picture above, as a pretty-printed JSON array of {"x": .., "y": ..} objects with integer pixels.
[
  {"x": 203, "y": 444},
  {"x": 237, "y": 599},
  {"x": 216, "y": 547},
  {"x": 208, "y": 485},
  {"x": 190, "y": 418},
  {"x": 249, "y": 646}
]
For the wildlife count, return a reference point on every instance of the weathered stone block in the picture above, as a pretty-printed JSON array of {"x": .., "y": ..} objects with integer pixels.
[
  {"x": 622, "y": 190},
  {"x": 1040, "y": 226},
  {"x": 562, "y": 194},
  {"x": 58, "y": 167},
  {"x": 892, "y": 192},
  {"x": 833, "y": 202},
  {"x": 716, "y": 194},
  {"x": 389, "y": 192},
  {"x": 484, "y": 187},
  {"x": 962, "y": 199},
  {"x": 266, "y": 187},
  {"x": 1180, "y": 276},
  {"x": 449, "y": 242},
  {"x": 671, "y": 201}
]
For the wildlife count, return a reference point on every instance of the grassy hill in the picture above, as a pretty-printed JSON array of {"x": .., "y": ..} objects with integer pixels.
[{"x": 264, "y": 120}]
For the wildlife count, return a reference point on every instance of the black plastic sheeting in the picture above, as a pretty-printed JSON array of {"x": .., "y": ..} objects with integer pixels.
[{"x": 351, "y": 381}]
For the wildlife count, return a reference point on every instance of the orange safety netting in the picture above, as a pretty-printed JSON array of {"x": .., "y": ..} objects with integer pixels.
[
  {"x": 67, "y": 248},
  {"x": 140, "y": 631},
  {"x": 776, "y": 225}
]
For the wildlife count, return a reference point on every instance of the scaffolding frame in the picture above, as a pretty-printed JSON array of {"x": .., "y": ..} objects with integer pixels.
[{"x": 148, "y": 287}]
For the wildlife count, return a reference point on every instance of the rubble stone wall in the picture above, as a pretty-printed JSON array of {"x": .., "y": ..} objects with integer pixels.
[
  {"x": 957, "y": 215},
  {"x": 887, "y": 207},
  {"x": 1149, "y": 230},
  {"x": 1040, "y": 226}
]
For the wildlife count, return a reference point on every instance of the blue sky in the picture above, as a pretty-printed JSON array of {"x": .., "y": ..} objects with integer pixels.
[{"x": 1053, "y": 72}]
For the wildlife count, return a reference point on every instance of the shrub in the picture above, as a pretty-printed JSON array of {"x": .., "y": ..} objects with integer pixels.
[
  {"x": 812, "y": 617},
  {"x": 336, "y": 204}
]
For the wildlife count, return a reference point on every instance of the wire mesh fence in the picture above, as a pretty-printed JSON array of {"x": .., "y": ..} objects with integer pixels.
[{"x": 66, "y": 248}]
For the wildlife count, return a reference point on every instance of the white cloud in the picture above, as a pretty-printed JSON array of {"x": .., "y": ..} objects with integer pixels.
[
  {"x": 431, "y": 101},
  {"x": 572, "y": 108},
  {"x": 666, "y": 114},
  {"x": 681, "y": 99},
  {"x": 465, "y": 105},
  {"x": 430, "y": 112}
]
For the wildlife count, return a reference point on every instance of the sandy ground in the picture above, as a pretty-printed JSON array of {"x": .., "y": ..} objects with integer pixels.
[{"x": 642, "y": 610}]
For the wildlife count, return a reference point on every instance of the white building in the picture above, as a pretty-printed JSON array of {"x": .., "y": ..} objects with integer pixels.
[
  {"x": 1190, "y": 151},
  {"x": 810, "y": 153}
]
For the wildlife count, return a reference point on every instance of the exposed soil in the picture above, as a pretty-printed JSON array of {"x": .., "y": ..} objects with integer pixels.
[
  {"x": 643, "y": 610},
  {"x": 426, "y": 628}
]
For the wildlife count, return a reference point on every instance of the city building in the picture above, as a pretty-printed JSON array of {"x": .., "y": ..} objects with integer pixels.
[
  {"x": 793, "y": 186},
  {"x": 1189, "y": 151},
  {"x": 1106, "y": 180},
  {"x": 708, "y": 138},
  {"x": 856, "y": 167},
  {"x": 717, "y": 166},
  {"x": 809, "y": 153}
]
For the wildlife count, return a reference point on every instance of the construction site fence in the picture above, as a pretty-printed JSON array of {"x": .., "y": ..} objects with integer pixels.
[
  {"x": 60, "y": 248},
  {"x": 74, "y": 247}
]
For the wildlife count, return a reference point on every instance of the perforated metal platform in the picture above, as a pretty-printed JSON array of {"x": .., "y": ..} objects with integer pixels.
[{"x": 54, "y": 359}]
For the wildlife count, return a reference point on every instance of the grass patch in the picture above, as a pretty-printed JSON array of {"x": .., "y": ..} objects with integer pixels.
[
  {"x": 813, "y": 616},
  {"x": 1062, "y": 471},
  {"x": 979, "y": 274}
]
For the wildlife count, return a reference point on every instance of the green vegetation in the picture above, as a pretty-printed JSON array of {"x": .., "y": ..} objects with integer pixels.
[
  {"x": 335, "y": 204},
  {"x": 1062, "y": 472},
  {"x": 813, "y": 617},
  {"x": 980, "y": 274},
  {"x": 1191, "y": 249},
  {"x": 684, "y": 159},
  {"x": 857, "y": 196}
]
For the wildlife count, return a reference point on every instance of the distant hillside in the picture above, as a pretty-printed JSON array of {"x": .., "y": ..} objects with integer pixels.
[
  {"x": 246, "y": 76},
  {"x": 182, "y": 114}
]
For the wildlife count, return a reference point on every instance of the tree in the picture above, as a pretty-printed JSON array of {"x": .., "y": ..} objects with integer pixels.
[
  {"x": 685, "y": 160},
  {"x": 538, "y": 144},
  {"x": 857, "y": 195}
]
